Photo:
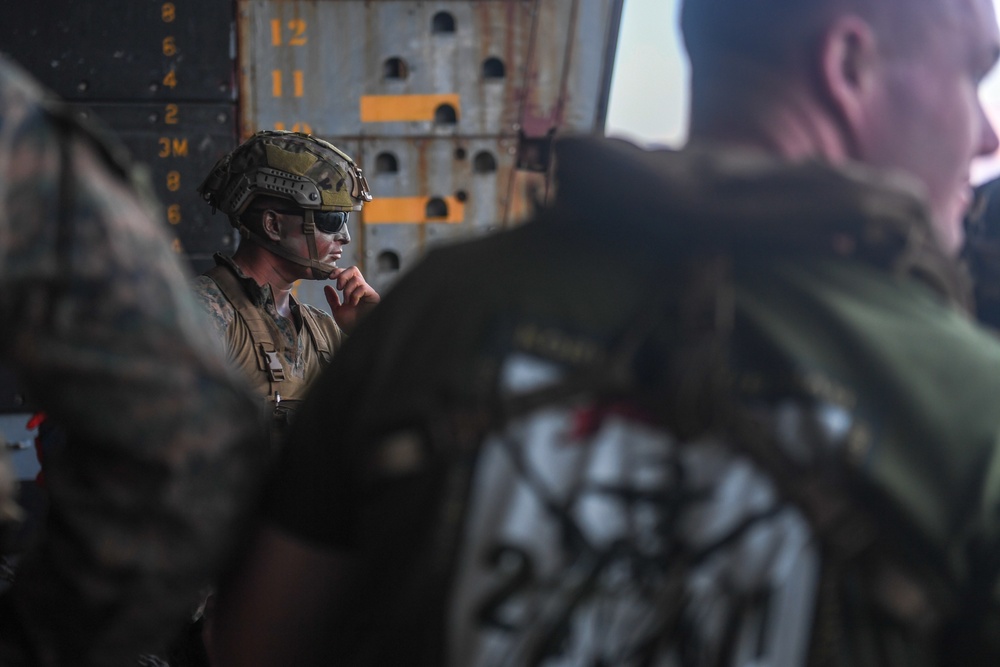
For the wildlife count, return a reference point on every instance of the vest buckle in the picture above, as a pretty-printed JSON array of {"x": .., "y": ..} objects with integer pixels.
[{"x": 274, "y": 368}]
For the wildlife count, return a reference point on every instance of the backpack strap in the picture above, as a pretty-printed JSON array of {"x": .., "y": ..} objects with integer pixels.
[{"x": 262, "y": 332}]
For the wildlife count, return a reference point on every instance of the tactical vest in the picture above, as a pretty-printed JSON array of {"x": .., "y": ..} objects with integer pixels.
[{"x": 263, "y": 363}]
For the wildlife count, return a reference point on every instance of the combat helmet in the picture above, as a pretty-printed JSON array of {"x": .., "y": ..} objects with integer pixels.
[{"x": 314, "y": 174}]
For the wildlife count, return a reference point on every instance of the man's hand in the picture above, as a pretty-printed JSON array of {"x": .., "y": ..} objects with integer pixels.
[{"x": 359, "y": 297}]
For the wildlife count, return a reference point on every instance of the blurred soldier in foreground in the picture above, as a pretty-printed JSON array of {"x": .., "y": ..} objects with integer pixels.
[
  {"x": 290, "y": 195},
  {"x": 724, "y": 406},
  {"x": 100, "y": 326}
]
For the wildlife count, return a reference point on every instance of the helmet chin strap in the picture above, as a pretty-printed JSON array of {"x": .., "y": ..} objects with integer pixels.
[{"x": 320, "y": 270}]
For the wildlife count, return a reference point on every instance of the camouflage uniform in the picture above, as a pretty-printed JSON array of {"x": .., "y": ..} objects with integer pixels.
[
  {"x": 568, "y": 474},
  {"x": 280, "y": 357},
  {"x": 100, "y": 326},
  {"x": 304, "y": 353}
]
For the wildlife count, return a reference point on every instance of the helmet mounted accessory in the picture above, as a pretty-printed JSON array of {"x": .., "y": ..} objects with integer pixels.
[{"x": 313, "y": 175}]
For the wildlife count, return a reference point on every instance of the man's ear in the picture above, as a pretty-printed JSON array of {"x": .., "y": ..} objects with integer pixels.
[
  {"x": 270, "y": 224},
  {"x": 849, "y": 69}
]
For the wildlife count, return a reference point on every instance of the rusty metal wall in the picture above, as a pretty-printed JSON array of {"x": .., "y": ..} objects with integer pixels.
[{"x": 448, "y": 105}]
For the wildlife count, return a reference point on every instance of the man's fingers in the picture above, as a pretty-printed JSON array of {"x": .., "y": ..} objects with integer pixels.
[
  {"x": 352, "y": 284},
  {"x": 332, "y": 297},
  {"x": 354, "y": 292},
  {"x": 344, "y": 276},
  {"x": 355, "y": 288}
]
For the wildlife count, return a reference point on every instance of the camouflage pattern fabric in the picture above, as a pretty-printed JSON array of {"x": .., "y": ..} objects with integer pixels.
[
  {"x": 323, "y": 176},
  {"x": 163, "y": 456},
  {"x": 303, "y": 347},
  {"x": 298, "y": 168},
  {"x": 299, "y": 359}
]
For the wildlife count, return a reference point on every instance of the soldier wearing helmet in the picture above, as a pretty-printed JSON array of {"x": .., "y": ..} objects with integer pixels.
[{"x": 290, "y": 195}]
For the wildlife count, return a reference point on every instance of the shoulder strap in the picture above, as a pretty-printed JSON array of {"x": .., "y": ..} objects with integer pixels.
[{"x": 261, "y": 331}]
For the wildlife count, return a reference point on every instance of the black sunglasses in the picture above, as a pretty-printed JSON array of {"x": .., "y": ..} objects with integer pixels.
[{"x": 328, "y": 222}]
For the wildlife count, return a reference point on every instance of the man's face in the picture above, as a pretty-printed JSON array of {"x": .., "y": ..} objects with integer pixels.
[
  {"x": 329, "y": 247},
  {"x": 929, "y": 120}
]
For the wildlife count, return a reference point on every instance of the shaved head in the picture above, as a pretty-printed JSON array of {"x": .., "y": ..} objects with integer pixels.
[
  {"x": 778, "y": 31},
  {"x": 890, "y": 83}
]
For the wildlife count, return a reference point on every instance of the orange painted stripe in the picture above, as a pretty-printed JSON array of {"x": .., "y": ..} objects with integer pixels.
[
  {"x": 396, "y": 108},
  {"x": 393, "y": 210}
]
